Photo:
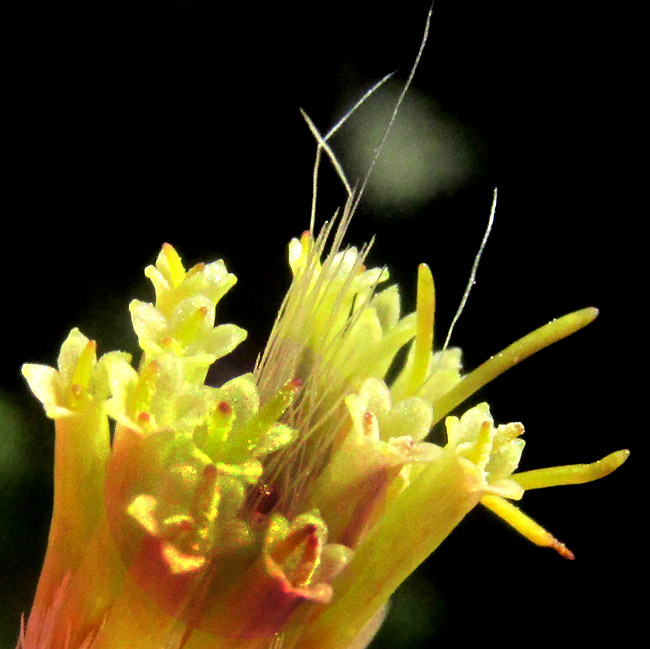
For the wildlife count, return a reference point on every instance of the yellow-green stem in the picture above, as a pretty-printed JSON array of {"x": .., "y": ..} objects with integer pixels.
[
  {"x": 510, "y": 356},
  {"x": 81, "y": 449},
  {"x": 412, "y": 527},
  {"x": 572, "y": 473}
]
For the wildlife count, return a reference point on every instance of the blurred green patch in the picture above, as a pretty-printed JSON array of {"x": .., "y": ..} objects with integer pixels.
[
  {"x": 416, "y": 612},
  {"x": 25, "y": 503},
  {"x": 12, "y": 443}
]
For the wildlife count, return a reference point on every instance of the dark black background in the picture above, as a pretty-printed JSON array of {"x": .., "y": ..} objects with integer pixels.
[{"x": 130, "y": 124}]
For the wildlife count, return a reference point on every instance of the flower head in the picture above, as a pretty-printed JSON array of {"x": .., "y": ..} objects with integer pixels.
[
  {"x": 282, "y": 508},
  {"x": 282, "y": 504}
]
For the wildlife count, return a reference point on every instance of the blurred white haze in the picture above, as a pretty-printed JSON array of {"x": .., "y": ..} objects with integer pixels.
[{"x": 428, "y": 152}]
